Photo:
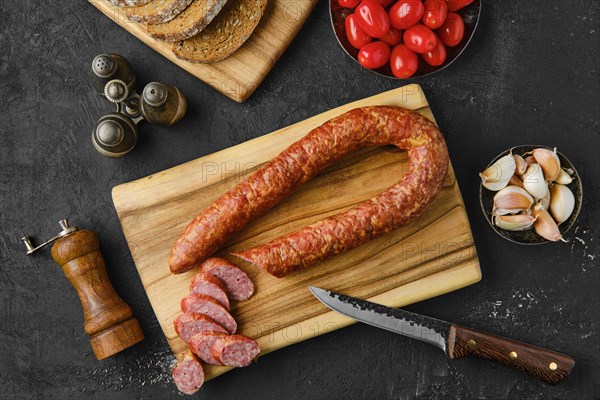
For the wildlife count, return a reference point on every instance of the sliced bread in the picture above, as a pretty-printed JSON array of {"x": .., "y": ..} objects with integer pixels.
[
  {"x": 157, "y": 11},
  {"x": 124, "y": 3},
  {"x": 187, "y": 24},
  {"x": 225, "y": 34}
]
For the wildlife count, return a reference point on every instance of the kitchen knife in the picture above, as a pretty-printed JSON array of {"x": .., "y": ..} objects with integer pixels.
[{"x": 455, "y": 340}]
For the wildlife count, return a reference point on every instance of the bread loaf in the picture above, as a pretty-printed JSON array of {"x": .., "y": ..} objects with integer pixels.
[
  {"x": 157, "y": 11},
  {"x": 225, "y": 34},
  {"x": 189, "y": 23}
]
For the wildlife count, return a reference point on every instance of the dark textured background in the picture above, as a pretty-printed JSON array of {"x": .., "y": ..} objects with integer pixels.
[{"x": 530, "y": 75}]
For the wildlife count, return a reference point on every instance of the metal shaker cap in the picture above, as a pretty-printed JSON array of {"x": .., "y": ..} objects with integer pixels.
[
  {"x": 116, "y": 91},
  {"x": 109, "y": 133},
  {"x": 115, "y": 135},
  {"x": 155, "y": 94},
  {"x": 104, "y": 66}
]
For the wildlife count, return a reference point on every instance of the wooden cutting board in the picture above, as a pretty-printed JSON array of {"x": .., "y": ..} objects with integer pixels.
[
  {"x": 433, "y": 255},
  {"x": 240, "y": 74}
]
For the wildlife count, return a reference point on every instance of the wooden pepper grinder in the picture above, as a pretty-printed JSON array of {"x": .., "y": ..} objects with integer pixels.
[{"x": 108, "y": 320}]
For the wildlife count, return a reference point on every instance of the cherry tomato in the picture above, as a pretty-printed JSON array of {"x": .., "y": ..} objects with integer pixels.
[
  {"x": 392, "y": 37},
  {"x": 374, "y": 55},
  {"x": 372, "y": 18},
  {"x": 403, "y": 61},
  {"x": 435, "y": 13},
  {"x": 348, "y": 3},
  {"x": 406, "y": 13},
  {"x": 356, "y": 36},
  {"x": 437, "y": 56},
  {"x": 455, "y": 5},
  {"x": 385, "y": 3},
  {"x": 420, "y": 39},
  {"x": 453, "y": 30}
]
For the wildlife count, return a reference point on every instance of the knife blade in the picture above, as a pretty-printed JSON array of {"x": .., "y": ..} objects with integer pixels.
[{"x": 455, "y": 340}]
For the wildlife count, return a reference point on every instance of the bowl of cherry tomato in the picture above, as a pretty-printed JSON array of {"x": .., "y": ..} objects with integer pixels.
[{"x": 404, "y": 38}]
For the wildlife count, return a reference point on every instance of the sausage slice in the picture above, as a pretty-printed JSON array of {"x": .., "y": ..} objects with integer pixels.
[
  {"x": 206, "y": 305},
  {"x": 188, "y": 374},
  {"x": 235, "y": 350},
  {"x": 210, "y": 285},
  {"x": 237, "y": 283},
  {"x": 189, "y": 324},
  {"x": 202, "y": 343}
]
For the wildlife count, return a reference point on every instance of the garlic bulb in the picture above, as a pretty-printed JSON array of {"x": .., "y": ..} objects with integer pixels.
[
  {"x": 521, "y": 165},
  {"x": 549, "y": 162},
  {"x": 562, "y": 203},
  {"x": 544, "y": 224},
  {"x": 514, "y": 222},
  {"x": 563, "y": 177},
  {"x": 512, "y": 200},
  {"x": 497, "y": 175},
  {"x": 534, "y": 182}
]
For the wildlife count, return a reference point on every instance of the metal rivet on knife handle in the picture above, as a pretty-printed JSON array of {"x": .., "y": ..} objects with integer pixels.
[
  {"x": 512, "y": 355},
  {"x": 553, "y": 366},
  {"x": 471, "y": 343}
]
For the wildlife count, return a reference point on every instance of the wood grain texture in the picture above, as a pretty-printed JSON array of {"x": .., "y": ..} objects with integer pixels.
[
  {"x": 108, "y": 320},
  {"x": 433, "y": 255},
  {"x": 240, "y": 74},
  {"x": 547, "y": 365}
]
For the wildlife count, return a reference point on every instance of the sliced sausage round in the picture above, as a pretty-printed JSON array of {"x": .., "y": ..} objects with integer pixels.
[
  {"x": 237, "y": 283},
  {"x": 202, "y": 343},
  {"x": 210, "y": 285},
  {"x": 189, "y": 324},
  {"x": 206, "y": 305},
  {"x": 188, "y": 374},
  {"x": 235, "y": 350}
]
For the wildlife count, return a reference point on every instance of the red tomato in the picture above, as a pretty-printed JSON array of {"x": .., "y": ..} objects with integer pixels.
[
  {"x": 392, "y": 37},
  {"x": 455, "y": 5},
  {"x": 385, "y": 3},
  {"x": 348, "y": 3},
  {"x": 406, "y": 13},
  {"x": 453, "y": 30},
  {"x": 437, "y": 56},
  {"x": 374, "y": 55},
  {"x": 372, "y": 18},
  {"x": 356, "y": 36},
  {"x": 435, "y": 13},
  {"x": 420, "y": 39},
  {"x": 403, "y": 61}
]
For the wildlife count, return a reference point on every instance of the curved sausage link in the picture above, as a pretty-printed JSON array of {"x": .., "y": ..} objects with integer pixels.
[{"x": 324, "y": 145}]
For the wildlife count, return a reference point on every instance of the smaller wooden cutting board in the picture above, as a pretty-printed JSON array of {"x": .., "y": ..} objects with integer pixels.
[
  {"x": 239, "y": 74},
  {"x": 434, "y": 254}
]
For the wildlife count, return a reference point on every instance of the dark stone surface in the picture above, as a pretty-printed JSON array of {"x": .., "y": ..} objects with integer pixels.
[{"x": 530, "y": 76}]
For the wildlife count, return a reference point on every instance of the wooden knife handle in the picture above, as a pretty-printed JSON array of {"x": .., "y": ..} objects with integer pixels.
[{"x": 547, "y": 365}]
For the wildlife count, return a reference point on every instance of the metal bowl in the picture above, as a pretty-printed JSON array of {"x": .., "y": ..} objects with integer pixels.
[
  {"x": 529, "y": 236},
  {"x": 470, "y": 15}
]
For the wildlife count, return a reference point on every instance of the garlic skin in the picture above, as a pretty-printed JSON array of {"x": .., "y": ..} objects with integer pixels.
[
  {"x": 563, "y": 177},
  {"x": 534, "y": 182},
  {"x": 549, "y": 162},
  {"x": 544, "y": 225},
  {"x": 521, "y": 165},
  {"x": 497, "y": 175},
  {"x": 562, "y": 203},
  {"x": 512, "y": 200},
  {"x": 514, "y": 222},
  {"x": 515, "y": 181},
  {"x": 546, "y": 200}
]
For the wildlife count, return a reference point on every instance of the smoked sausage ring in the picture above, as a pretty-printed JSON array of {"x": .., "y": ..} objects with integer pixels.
[{"x": 321, "y": 147}]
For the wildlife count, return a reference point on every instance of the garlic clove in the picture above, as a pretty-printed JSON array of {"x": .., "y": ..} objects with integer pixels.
[
  {"x": 562, "y": 203},
  {"x": 515, "y": 181},
  {"x": 497, "y": 175},
  {"x": 549, "y": 162},
  {"x": 534, "y": 182},
  {"x": 514, "y": 222},
  {"x": 512, "y": 199},
  {"x": 564, "y": 178},
  {"x": 529, "y": 160},
  {"x": 520, "y": 165},
  {"x": 544, "y": 225},
  {"x": 545, "y": 201},
  {"x": 504, "y": 211}
]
